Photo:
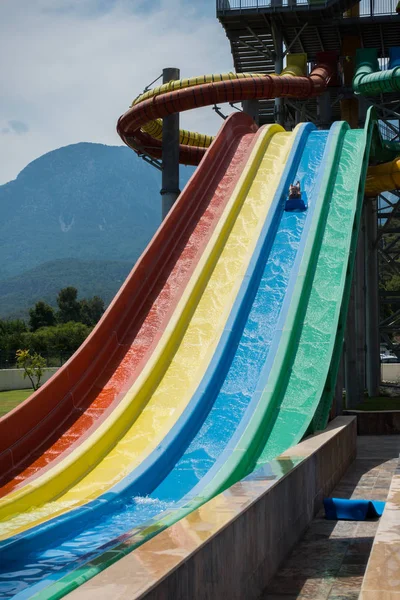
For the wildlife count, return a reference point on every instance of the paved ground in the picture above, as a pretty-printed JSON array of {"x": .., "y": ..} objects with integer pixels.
[{"x": 329, "y": 561}]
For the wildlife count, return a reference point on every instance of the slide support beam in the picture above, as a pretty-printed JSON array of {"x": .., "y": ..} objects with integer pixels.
[
  {"x": 170, "y": 152},
  {"x": 252, "y": 108},
  {"x": 324, "y": 110},
  {"x": 338, "y": 402},
  {"x": 372, "y": 298},
  {"x": 351, "y": 381},
  {"x": 360, "y": 307},
  {"x": 279, "y": 106}
]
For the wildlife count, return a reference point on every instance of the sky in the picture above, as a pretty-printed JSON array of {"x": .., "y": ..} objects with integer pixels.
[{"x": 70, "y": 68}]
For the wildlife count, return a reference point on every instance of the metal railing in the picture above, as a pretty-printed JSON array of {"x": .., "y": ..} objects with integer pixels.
[
  {"x": 368, "y": 8},
  {"x": 377, "y": 8},
  {"x": 227, "y": 5}
]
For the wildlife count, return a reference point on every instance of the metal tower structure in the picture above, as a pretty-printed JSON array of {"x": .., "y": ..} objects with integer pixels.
[{"x": 261, "y": 34}]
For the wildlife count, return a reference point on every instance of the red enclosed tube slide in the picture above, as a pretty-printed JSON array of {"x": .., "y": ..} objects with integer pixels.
[
  {"x": 269, "y": 86},
  {"x": 57, "y": 417}
]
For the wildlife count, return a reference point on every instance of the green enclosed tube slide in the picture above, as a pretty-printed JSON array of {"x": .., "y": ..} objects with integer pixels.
[{"x": 369, "y": 80}]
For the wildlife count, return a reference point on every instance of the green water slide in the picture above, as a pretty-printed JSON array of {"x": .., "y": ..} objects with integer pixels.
[{"x": 369, "y": 80}]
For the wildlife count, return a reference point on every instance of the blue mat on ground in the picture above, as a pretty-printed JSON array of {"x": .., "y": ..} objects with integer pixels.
[{"x": 352, "y": 510}]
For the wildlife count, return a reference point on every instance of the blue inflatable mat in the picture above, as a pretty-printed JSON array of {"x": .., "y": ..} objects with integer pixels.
[{"x": 352, "y": 510}]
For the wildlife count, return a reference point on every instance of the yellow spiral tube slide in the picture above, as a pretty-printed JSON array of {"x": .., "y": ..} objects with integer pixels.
[
  {"x": 382, "y": 178},
  {"x": 296, "y": 66}
]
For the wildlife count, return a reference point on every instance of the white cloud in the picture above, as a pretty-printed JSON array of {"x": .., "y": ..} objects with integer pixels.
[
  {"x": 73, "y": 66},
  {"x": 18, "y": 127}
]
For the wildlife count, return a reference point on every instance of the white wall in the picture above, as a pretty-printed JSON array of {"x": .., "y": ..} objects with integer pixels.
[
  {"x": 13, "y": 379},
  {"x": 390, "y": 372}
]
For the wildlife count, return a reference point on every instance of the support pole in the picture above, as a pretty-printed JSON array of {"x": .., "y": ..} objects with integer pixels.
[
  {"x": 372, "y": 298},
  {"x": 338, "y": 402},
  {"x": 324, "y": 110},
  {"x": 352, "y": 392},
  {"x": 170, "y": 152},
  {"x": 279, "y": 106},
  {"x": 252, "y": 108},
  {"x": 362, "y": 110},
  {"x": 359, "y": 280}
]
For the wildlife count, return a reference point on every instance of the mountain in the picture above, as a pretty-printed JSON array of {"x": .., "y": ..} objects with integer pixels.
[
  {"x": 91, "y": 278},
  {"x": 80, "y": 215},
  {"x": 84, "y": 201}
]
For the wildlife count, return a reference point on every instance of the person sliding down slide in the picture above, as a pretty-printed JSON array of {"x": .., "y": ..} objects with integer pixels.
[
  {"x": 295, "y": 201},
  {"x": 294, "y": 190}
]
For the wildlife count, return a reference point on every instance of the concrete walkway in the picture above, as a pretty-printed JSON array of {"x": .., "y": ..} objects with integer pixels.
[{"x": 330, "y": 560}]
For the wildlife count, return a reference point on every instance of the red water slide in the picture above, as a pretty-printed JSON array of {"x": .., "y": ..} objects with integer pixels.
[{"x": 67, "y": 408}]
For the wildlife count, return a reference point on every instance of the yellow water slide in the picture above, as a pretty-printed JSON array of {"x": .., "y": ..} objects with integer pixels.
[{"x": 382, "y": 178}]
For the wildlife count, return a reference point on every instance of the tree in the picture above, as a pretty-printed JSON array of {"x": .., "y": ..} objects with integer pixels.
[
  {"x": 12, "y": 326},
  {"x": 91, "y": 310},
  {"x": 33, "y": 366},
  {"x": 69, "y": 307},
  {"x": 42, "y": 315},
  {"x": 12, "y": 334},
  {"x": 68, "y": 337}
]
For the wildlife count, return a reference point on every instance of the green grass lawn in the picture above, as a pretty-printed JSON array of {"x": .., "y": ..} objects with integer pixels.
[
  {"x": 380, "y": 403},
  {"x": 9, "y": 400}
]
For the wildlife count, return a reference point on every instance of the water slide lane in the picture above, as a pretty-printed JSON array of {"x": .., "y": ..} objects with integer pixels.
[
  {"x": 278, "y": 246},
  {"x": 263, "y": 182},
  {"x": 66, "y": 409},
  {"x": 349, "y": 246},
  {"x": 163, "y": 389}
]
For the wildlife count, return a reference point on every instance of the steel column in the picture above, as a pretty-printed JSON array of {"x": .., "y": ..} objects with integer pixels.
[
  {"x": 338, "y": 402},
  {"x": 170, "y": 152},
  {"x": 359, "y": 281},
  {"x": 372, "y": 298},
  {"x": 279, "y": 106},
  {"x": 252, "y": 108},
  {"x": 351, "y": 382},
  {"x": 362, "y": 110},
  {"x": 324, "y": 110}
]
